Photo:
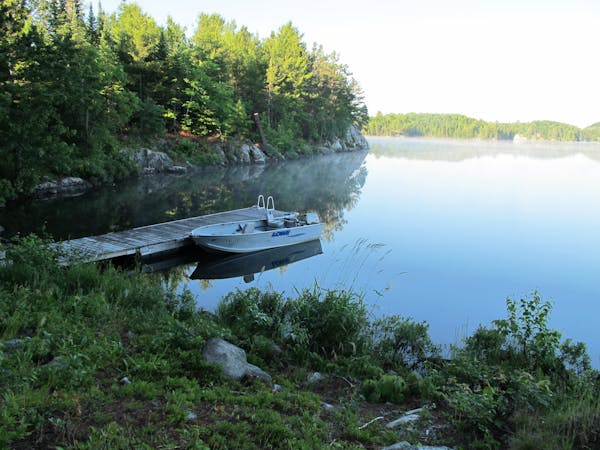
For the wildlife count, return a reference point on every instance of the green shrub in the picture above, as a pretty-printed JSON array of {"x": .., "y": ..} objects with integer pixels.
[
  {"x": 402, "y": 344},
  {"x": 252, "y": 312},
  {"x": 388, "y": 388},
  {"x": 529, "y": 341},
  {"x": 336, "y": 323},
  {"x": 474, "y": 413},
  {"x": 197, "y": 153}
]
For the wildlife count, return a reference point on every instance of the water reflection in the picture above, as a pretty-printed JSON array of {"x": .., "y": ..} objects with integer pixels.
[
  {"x": 329, "y": 185},
  {"x": 457, "y": 150},
  {"x": 246, "y": 265}
]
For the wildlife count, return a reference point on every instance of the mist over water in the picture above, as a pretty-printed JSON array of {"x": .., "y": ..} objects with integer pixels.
[{"x": 440, "y": 231}]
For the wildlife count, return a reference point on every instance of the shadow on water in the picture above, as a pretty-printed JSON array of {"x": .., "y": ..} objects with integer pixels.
[{"x": 327, "y": 184}]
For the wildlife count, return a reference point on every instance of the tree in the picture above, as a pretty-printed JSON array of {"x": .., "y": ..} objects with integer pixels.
[{"x": 286, "y": 77}]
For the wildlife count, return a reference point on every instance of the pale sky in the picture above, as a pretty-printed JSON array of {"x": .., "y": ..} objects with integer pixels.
[{"x": 497, "y": 60}]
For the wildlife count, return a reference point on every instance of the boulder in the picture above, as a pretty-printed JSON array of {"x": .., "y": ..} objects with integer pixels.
[
  {"x": 336, "y": 146},
  {"x": 65, "y": 186},
  {"x": 257, "y": 155},
  {"x": 232, "y": 360},
  {"x": 244, "y": 153},
  {"x": 151, "y": 161},
  {"x": 13, "y": 345},
  {"x": 408, "y": 417},
  {"x": 177, "y": 169},
  {"x": 314, "y": 378}
]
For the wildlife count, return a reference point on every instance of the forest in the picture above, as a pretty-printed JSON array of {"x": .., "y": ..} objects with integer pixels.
[
  {"x": 77, "y": 86},
  {"x": 463, "y": 127}
]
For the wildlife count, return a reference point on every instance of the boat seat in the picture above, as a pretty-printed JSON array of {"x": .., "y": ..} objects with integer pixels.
[{"x": 273, "y": 222}]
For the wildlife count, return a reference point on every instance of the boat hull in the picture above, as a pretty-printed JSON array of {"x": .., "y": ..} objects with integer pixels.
[{"x": 233, "y": 242}]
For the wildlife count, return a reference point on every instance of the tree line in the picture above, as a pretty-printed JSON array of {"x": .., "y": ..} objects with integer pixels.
[
  {"x": 73, "y": 83},
  {"x": 460, "y": 126}
]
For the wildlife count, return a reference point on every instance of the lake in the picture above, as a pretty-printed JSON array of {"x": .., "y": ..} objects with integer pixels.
[{"x": 438, "y": 230}]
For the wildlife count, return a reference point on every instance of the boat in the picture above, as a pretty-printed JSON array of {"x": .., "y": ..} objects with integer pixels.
[
  {"x": 247, "y": 264},
  {"x": 261, "y": 234}
]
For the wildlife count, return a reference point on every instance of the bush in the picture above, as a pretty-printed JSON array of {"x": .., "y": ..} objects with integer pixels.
[
  {"x": 252, "y": 312},
  {"x": 401, "y": 343},
  {"x": 336, "y": 324},
  {"x": 388, "y": 388},
  {"x": 329, "y": 324},
  {"x": 529, "y": 341},
  {"x": 196, "y": 153}
]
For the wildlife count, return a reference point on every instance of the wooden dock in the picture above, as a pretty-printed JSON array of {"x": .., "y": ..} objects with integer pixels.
[{"x": 152, "y": 239}]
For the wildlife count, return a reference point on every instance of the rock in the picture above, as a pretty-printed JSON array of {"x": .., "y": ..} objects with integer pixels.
[
  {"x": 151, "y": 161},
  {"x": 327, "y": 406},
  {"x": 355, "y": 140},
  {"x": 65, "y": 186},
  {"x": 244, "y": 153},
  {"x": 407, "y": 417},
  {"x": 277, "y": 388},
  {"x": 177, "y": 169},
  {"x": 336, "y": 146},
  {"x": 57, "y": 363},
  {"x": 257, "y": 156},
  {"x": 403, "y": 445},
  {"x": 314, "y": 377},
  {"x": 232, "y": 360},
  {"x": 13, "y": 345},
  {"x": 46, "y": 189},
  {"x": 191, "y": 416}
]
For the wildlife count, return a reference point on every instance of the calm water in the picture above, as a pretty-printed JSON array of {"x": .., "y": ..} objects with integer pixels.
[{"x": 440, "y": 231}]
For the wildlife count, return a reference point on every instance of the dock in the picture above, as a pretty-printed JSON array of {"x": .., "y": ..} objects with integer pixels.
[{"x": 152, "y": 239}]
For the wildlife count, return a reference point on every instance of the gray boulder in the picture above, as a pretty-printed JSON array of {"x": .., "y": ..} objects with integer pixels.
[
  {"x": 336, "y": 146},
  {"x": 244, "y": 153},
  {"x": 408, "y": 417},
  {"x": 232, "y": 360},
  {"x": 314, "y": 378},
  {"x": 65, "y": 186},
  {"x": 177, "y": 169},
  {"x": 257, "y": 155},
  {"x": 13, "y": 345},
  {"x": 151, "y": 161}
]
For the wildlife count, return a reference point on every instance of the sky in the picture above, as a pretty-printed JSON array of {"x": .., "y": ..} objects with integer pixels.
[{"x": 496, "y": 60}]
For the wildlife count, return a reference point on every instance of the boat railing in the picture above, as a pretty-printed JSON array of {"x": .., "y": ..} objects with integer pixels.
[{"x": 260, "y": 202}]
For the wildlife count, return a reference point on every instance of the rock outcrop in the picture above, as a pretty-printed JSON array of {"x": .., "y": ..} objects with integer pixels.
[
  {"x": 242, "y": 153},
  {"x": 232, "y": 360},
  {"x": 354, "y": 140},
  {"x": 151, "y": 161},
  {"x": 69, "y": 186}
]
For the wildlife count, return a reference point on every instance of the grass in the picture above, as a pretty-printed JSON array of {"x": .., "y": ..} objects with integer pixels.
[{"x": 93, "y": 357}]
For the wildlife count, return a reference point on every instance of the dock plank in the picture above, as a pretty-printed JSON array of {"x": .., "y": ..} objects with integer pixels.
[{"x": 151, "y": 239}]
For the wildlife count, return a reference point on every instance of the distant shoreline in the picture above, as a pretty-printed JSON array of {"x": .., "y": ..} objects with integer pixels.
[{"x": 463, "y": 127}]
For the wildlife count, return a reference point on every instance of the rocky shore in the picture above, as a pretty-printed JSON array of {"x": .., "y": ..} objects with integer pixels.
[{"x": 153, "y": 160}]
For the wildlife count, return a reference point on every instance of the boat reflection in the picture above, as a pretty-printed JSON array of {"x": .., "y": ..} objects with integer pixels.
[{"x": 248, "y": 264}]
